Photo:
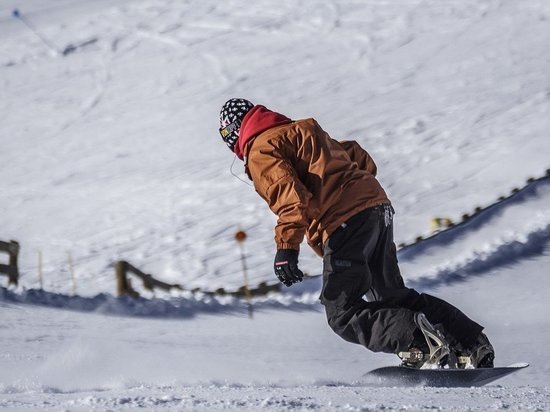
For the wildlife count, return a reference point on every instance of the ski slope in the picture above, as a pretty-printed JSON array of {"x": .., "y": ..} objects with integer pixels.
[{"x": 112, "y": 152}]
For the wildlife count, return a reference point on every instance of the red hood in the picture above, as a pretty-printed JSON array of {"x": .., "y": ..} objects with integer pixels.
[{"x": 256, "y": 121}]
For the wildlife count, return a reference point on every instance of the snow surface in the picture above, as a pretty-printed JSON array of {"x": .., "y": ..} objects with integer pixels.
[{"x": 111, "y": 152}]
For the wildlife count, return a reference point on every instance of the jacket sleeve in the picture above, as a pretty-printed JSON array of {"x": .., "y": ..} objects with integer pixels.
[
  {"x": 360, "y": 156},
  {"x": 276, "y": 182}
]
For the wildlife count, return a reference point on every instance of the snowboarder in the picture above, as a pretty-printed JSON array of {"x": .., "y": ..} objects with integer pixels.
[{"x": 327, "y": 191}]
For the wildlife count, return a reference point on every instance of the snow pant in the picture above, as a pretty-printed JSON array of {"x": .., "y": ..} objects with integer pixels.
[{"x": 360, "y": 260}]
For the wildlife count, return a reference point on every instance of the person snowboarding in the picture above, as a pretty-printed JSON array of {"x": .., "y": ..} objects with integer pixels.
[{"x": 327, "y": 191}]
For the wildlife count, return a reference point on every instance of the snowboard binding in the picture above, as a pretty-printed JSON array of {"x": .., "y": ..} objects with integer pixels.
[
  {"x": 482, "y": 355},
  {"x": 432, "y": 353}
]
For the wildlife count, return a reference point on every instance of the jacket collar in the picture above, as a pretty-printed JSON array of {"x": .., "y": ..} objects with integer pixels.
[{"x": 257, "y": 120}]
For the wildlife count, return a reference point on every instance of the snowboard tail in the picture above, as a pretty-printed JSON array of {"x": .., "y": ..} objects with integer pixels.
[{"x": 406, "y": 376}]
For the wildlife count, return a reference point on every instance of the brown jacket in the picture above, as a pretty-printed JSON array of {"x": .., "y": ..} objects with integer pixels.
[{"x": 310, "y": 181}]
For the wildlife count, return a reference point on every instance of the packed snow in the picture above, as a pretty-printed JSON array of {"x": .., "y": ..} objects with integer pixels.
[{"x": 110, "y": 151}]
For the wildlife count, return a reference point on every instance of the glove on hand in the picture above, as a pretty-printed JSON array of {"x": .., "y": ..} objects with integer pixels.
[{"x": 286, "y": 267}]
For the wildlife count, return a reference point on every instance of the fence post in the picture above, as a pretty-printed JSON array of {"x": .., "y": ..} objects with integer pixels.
[
  {"x": 13, "y": 276},
  {"x": 40, "y": 277},
  {"x": 11, "y": 269},
  {"x": 121, "y": 268},
  {"x": 124, "y": 286},
  {"x": 240, "y": 237},
  {"x": 71, "y": 270}
]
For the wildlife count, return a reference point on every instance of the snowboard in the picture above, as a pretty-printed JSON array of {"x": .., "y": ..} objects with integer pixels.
[{"x": 453, "y": 378}]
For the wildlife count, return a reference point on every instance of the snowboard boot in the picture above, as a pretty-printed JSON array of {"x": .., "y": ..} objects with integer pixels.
[
  {"x": 429, "y": 349},
  {"x": 481, "y": 355}
]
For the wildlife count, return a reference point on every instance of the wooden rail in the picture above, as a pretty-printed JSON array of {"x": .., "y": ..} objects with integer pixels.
[{"x": 124, "y": 285}]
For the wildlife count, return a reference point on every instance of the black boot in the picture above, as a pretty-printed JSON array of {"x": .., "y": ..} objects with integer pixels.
[{"x": 480, "y": 355}]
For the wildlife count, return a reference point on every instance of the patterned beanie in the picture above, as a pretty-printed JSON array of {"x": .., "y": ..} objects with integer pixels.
[{"x": 231, "y": 117}]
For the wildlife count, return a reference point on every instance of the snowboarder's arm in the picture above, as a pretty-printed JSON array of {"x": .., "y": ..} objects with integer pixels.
[
  {"x": 360, "y": 156},
  {"x": 276, "y": 182}
]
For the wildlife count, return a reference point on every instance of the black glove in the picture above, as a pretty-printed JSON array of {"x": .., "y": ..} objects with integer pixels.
[{"x": 286, "y": 267}]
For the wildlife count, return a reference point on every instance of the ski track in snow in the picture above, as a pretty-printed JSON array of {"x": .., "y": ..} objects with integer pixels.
[{"x": 296, "y": 398}]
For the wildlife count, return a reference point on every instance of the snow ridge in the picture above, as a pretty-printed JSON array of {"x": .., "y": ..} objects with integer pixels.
[
  {"x": 504, "y": 233},
  {"x": 505, "y": 253},
  {"x": 177, "y": 307}
]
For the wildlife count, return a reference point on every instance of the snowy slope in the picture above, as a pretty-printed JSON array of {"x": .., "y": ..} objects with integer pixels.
[
  {"x": 112, "y": 152},
  {"x": 283, "y": 359},
  {"x": 120, "y": 140}
]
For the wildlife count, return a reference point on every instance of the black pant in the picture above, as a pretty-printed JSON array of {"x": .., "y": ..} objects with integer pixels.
[{"x": 360, "y": 260}]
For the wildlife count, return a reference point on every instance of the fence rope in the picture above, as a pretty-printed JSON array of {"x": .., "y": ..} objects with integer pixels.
[{"x": 446, "y": 224}]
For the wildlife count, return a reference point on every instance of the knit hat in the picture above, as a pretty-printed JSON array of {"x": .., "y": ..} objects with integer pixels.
[{"x": 231, "y": 118}]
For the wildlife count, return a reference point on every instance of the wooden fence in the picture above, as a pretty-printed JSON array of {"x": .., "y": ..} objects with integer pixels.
[
  {"x": 124, "y": 285},
  {"x": 11, "y": 269},
  {"x": 124, "y": 269}
]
